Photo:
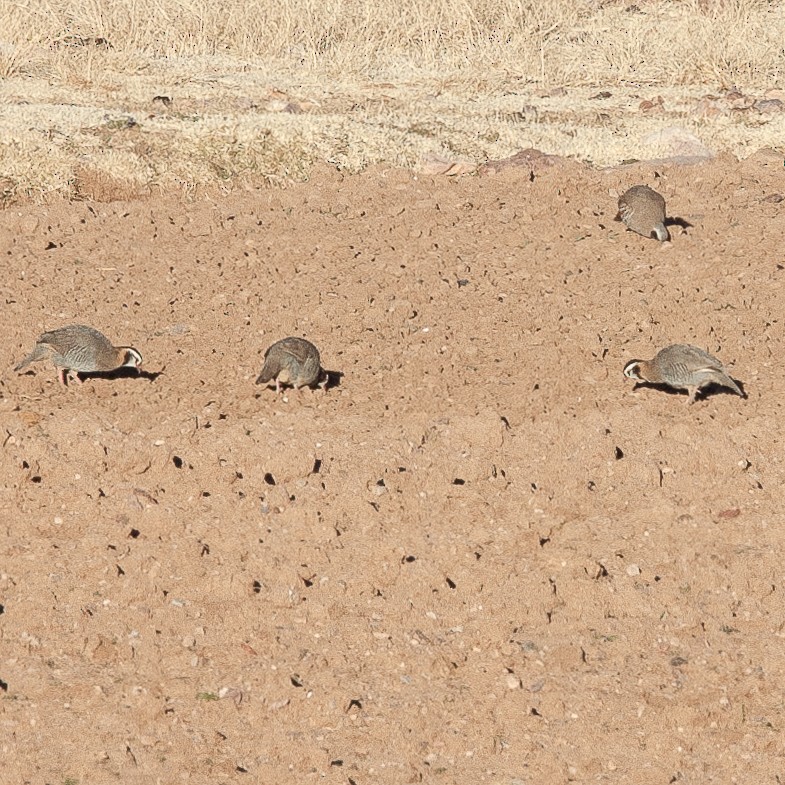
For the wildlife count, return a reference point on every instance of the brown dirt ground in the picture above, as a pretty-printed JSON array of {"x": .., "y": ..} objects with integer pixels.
[{"x": 480, "y": 557}]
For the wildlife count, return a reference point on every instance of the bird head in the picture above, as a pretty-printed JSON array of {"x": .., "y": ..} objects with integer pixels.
[
  {"x": 632, "y": 370},
  {"x": 131, "y": 357}
]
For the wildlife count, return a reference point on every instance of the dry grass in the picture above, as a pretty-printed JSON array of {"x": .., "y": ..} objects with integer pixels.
[{"x": 262, "y": 90}]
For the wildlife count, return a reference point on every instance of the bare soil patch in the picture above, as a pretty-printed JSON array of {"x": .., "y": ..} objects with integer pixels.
[{"x": 480, "y": 557}]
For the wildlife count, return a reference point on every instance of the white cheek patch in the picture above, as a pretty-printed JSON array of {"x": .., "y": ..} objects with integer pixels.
[{"x": 133, "y": 360}]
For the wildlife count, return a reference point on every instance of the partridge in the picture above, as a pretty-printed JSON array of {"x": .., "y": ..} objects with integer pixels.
[
  {"x": 682, "y": 367},
  {"x": 642, "y": 210},
  {"x": 80, "y": 349},
  {"x": 293, "y": 361}
]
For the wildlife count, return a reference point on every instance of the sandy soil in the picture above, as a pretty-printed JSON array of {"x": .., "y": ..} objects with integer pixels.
[{"x": 480, "y": 556}]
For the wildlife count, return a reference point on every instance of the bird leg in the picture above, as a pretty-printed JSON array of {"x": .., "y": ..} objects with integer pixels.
[{"x": 67, "y": 375}]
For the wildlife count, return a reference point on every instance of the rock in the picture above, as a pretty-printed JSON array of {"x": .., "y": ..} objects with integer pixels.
[
  {"x": 28, "y": 224},
  {"x": 676, "y": 141},
  {"x": 435, "y": 164},
  {"x": 533, "y": 160},
  {"x": 769, "y": 105}
]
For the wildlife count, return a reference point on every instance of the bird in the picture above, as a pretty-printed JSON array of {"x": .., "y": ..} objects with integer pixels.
[
  {"x": 682, "y": 367},
  {"x": 642, "y": 210},
  {"x": 80, "y": 349},
  {"x": 293, "y": 361}
]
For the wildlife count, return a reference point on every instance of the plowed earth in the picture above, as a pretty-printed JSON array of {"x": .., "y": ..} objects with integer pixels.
[{"x": 478, "y": 556}]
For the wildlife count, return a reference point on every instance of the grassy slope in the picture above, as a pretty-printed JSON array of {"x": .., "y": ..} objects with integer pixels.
[{"x": 262, "y": 91}]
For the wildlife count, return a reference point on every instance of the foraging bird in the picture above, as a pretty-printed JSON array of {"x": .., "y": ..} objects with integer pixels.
[
  {"x": 80, "y": 349},
  {"x": 682, "y": 367},
  {"x": 292, "y": 361},
  {"x": 642, "y": 210}
]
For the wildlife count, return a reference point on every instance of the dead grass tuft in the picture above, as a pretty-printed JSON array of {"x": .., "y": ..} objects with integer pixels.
[
  {"x": 725, "y": 41},
  {"x": 262, "y": 90}
]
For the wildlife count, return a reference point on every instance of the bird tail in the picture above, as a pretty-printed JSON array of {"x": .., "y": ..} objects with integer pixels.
[
  {"x": 39, "y": 353},
  {"x": 726, "y": 381}
]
